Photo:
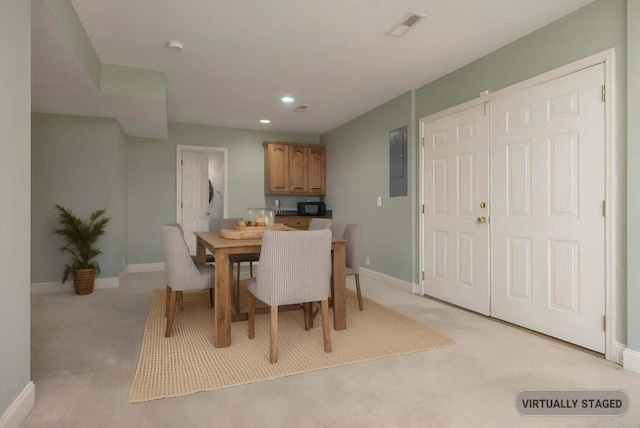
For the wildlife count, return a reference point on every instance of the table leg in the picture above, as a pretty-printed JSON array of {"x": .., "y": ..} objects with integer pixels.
[
  {"x": 339, "y": 287},
  {"x": 201, "y": 251},
  {"x": 223, "y": 300}
]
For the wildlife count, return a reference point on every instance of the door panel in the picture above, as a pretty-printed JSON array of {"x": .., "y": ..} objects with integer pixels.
[
  {"x": 456, "y": 184},
  {"x": 195, "y": 195},
  {"x": 548, "y": 228}
]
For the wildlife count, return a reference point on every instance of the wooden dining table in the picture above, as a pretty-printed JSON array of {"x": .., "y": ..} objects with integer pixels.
[{"x": 222, "y": 248}]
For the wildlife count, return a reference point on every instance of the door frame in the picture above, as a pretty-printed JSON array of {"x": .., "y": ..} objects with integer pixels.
[
  {"x": 613, "y": 349},
  {"x": 202, "y": 149}
]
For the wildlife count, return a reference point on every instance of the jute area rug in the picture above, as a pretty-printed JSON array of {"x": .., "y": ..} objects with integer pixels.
[{"x": 188, "y": 362}]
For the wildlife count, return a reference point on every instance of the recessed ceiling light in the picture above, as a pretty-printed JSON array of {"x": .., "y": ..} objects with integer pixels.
[
  {"x": 286, "y": 99},
  {"x": 265, "y": 121},
  {"x": 175, "y": 44}
]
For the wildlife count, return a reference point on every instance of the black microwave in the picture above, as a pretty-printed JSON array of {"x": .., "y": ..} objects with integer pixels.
[{"x": 312, "y": 208}]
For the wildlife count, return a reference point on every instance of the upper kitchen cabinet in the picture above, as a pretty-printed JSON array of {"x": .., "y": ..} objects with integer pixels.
[{"x": 291, "y": 168}]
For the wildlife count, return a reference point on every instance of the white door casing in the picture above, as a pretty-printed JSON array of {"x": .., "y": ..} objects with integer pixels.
[
  {"x": 456, "y": 197},
  {"x": 548, "y": 225},
  {"x": 195, "y": 195}
]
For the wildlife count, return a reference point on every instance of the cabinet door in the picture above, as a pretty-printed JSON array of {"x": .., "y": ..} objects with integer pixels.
[
  {"x": 277, "y": 168},
  {"x": 316, "y": 170},
  {"x": 299, "y": 222},
  {"x": 298, "y": 156}
]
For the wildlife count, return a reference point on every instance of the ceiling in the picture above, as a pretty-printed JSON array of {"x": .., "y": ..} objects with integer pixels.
[{"x": 241, "y": 56}]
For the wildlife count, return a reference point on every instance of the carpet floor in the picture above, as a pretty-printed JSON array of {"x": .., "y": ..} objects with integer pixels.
[{"x": 188, "y": 362}]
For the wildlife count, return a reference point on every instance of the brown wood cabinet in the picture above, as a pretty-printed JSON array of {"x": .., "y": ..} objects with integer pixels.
[
  {"x": 291, "y": 168},
  {"x": 294, "y": 221}
]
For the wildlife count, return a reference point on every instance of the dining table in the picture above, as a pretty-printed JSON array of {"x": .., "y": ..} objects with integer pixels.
[{"x": 222, "y": 248}]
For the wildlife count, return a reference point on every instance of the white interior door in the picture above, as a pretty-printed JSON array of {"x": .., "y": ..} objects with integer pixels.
[
  {"x": 548, "y": 226},
  {"x": 195, "y": 195},
  {"x": 456, "y": 228}
]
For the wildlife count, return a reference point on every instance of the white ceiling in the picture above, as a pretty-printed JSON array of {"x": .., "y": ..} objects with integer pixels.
[{"x": 241, "y": 56}]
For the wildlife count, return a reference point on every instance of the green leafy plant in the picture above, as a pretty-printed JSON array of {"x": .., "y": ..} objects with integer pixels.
[{"x": 81, "y": 237}]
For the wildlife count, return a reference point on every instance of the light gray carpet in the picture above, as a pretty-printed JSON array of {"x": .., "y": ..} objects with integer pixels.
[{"x": 85, "y": 352}]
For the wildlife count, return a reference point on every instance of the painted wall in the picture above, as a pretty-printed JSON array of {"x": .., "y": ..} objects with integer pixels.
[
  {"x": 81, "y": 164},
  {"x": 357, "y": 152},
  {"x": 633, "y": 172},
  {"x": 358, "y": 172},
  {"x": 15, "y": 185},
  {"x": 152, "y": 178},
  {"x": 592, "y": 29}
]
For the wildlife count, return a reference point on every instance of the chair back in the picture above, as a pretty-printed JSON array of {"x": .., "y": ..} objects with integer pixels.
[
  {"x": 353, "y": 232},
  {"x": 337, "y": 229},
  {"x": 179, "y": 226},
  {"x": 295, "y": 267},
  {"x": 319, "y": 224},
  {"x": 178, "y": 263},
  {"x": 217, "y": 224}
]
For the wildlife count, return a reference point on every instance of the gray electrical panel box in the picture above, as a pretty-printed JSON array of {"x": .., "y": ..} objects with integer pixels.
[{"x": 398, "y": 162}]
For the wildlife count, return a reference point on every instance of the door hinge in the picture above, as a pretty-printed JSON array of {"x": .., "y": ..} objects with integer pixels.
[
  {"x": 423, "y": 275},
  {"x": 181, "y": 205},
  {"x": 485, "y": 108},
  {"x": 604, "y": 208},
  {"x": 604, "y": 93},
  {"x": 604, "y": 323},
  {"x": 422, "y": 208},
  {"x": 181, "y": 162}
]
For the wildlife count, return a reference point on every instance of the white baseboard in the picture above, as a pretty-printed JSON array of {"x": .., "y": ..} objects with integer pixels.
[
  {"x": 631, "y": 360},
  {"x": 123, "y": 275},
  {"x": 58, "y": 287},
  {"x": 617, "y": 353},
  {"x": 389, "y": 280},
  {"x": 18, "y": 411},
  {"x": 146, "y": 267}
]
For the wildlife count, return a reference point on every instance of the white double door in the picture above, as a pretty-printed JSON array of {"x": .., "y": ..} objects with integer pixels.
[{"x": 540, "y": 261}]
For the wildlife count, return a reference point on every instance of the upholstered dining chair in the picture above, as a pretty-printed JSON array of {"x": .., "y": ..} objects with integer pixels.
[
  {"x": 195, "y": 259},
  {"x": 216, "y": 225},
  {"x": 294, "y": 268},
  {"x": 319, "y": 223},
  {"x": 353, "y": 233},
  {"x": 181, "y": 272},
  {"x": 337, "y": 229}
]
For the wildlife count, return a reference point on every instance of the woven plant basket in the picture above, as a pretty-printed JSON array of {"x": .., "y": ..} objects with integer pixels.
[{"x": 83, "y": 280}]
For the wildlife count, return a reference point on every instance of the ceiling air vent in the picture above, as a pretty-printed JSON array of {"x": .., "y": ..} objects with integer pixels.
[
  {"x": 301, "y": 108},
  {"x": 406, "y": 24}
]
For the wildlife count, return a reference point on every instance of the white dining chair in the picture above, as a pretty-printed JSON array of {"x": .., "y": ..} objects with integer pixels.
[
  {"x": 353, "y": 233},
  {"x": 181, "y": 272},
  {"x": 337, "y": 229},
  {"x": 319, "y": 223},
  {"x": 294, "y": 268}
]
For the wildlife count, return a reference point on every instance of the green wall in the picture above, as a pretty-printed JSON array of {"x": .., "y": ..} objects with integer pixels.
[
  {"x": 633, "y": 173},
  {"x": 81, "y": 164},
  {"x": 357, "y": 151},
  {"x": 358, "y": 172},
  {"x": 15, "y": 179},
  {"x": 152, "y": 178}
]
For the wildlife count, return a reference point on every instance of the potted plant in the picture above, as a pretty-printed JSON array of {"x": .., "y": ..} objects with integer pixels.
[{"x": 80, "y": 237}]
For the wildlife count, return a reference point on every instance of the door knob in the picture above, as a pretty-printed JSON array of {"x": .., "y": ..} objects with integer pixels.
[{"x": 482, "y": 219}]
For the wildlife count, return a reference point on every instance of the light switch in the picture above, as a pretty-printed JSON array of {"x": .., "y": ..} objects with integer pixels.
[{"x": 379, "y": 201}]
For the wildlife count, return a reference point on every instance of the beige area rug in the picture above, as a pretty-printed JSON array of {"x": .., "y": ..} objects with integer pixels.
[{"x": 187, "y": 362}]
